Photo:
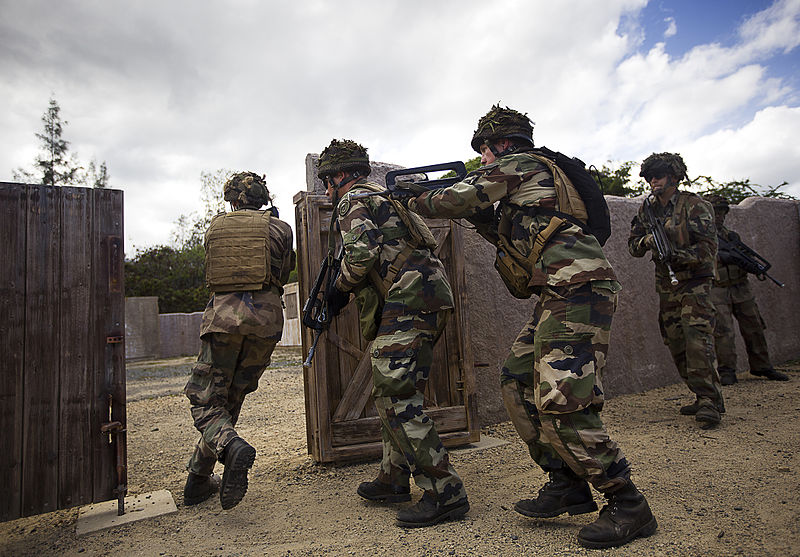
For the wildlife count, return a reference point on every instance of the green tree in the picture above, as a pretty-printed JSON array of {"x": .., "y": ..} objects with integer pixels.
[
  {"x": 737, "y": 190},
  {"x": 55, "y": 165},
  {"x": 617, "y": 181},
  {"x": 175, "y": 275}
]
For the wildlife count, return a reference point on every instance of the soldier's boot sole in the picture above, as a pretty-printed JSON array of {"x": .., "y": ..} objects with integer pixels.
[
  {"x": 234, "y": 479},
  {"x": 582, "y": 508}
]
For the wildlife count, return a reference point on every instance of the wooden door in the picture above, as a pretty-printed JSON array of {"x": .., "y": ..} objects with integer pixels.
[
  {"x": 62, "y": 374},
  {"x": 341, "y": 420}
]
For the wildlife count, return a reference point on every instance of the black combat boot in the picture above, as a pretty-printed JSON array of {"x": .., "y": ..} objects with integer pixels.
[
  {"x": 199, "y": 488},
  {"x": 771, "y": 374},
  {"x": 626, "y": 516},
  {"x": 238, "y": 459},
  {"x": 386, "y": 489},
  {"x": 564, "y": 493},
  {"x": 727, "y": 376},
  {"x": 428, "y": 511}
]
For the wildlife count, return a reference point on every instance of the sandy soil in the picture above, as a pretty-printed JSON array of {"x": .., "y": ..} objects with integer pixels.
[{"x": 729, "y": 491}]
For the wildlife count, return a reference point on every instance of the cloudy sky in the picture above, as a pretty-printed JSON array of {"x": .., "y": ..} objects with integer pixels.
[{"x": 164, "y": 90}]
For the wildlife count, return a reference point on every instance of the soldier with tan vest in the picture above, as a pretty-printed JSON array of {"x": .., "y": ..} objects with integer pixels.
[{"x": 249, "y": 256}]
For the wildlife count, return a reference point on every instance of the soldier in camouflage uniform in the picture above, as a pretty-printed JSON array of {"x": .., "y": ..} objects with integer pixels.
[
  {"x": 551, "y": 380},
  {"x": 732, "y": 297},
  {"x": 388, "y": 257},
  {"x": 248, "y": 259},
  {"x": 686, "y": 313}
]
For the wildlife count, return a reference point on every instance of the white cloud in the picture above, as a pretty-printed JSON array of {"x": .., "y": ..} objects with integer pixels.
[
  {"x": 163, "y": 91},
  {"x": 672, "y": 28}
]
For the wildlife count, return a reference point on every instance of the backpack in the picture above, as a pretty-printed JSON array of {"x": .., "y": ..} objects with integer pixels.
[{"x": 582, "y": 204}]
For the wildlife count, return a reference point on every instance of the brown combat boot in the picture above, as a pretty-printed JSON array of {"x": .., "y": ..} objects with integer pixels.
[
  {"x": 564, "y": 493},
  {"x": 625, "y": 517},
  {"x": 691, "y": 409},
  {"x": 708, "y": 414},
  {"x": 386, "y": 488},
  {"x": 771, "y": 374},
  {"x": 428, "y": 511},
  {"x": 199, "y": 488}
]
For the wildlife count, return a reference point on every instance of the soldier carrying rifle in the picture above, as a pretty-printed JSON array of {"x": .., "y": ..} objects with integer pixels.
[
  {"x": 404, "y": 301},
  {"x": 732, "y": 297},
  {"x": 683, "y": 279}
]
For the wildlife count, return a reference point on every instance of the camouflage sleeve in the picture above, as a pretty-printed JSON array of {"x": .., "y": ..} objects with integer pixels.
[
  {"x": 361, "y": 240},
  {"x": 703, "y": 232},
  {"x": 479, "y": 190},
  {"x": 282, "y": 255},
  {"x": 636, "y": 239}
]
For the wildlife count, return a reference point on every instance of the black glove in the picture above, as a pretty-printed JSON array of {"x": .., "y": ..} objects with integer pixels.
[{"x": 337, "y": 300}]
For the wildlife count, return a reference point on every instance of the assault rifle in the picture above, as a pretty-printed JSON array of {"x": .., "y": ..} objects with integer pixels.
[
  {"x": 664, "y": 251},
  {"x": 738, "y": 253},
  {"x": 316, "y": 314},
  {"x": 403, "y": 188}
]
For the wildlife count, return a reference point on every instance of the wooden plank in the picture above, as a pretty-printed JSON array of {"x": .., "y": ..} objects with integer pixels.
[
  {"x": 304, "y": 280},
  {"x": 365, "y": 430},
  {"x": 350, "y": 453},
  {"x": 40, "y": 412},
  {"x": 76, "y": 347},
  {"x": 13, "y": 204},
  {"x": 358, "y": 391},
  {"x": 108, "y": 390}
]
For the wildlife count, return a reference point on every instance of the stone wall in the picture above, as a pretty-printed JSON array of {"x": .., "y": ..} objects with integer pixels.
[{"x": 638, "y": 359}]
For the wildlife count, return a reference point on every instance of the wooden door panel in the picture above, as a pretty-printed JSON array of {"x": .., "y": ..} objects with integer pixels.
[{"x": 341, "y": 419}]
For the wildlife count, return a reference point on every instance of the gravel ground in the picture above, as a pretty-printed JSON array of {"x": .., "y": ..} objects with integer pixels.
[{"x": 729, "y": 491}]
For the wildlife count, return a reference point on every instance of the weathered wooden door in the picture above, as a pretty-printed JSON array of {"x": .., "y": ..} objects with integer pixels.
[
  {"x": 62, "y": 328},
  {"x": 341, "y": 420}
]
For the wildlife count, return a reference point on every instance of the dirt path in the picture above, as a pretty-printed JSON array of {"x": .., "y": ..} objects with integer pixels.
[{"x": 730, "y": 491}]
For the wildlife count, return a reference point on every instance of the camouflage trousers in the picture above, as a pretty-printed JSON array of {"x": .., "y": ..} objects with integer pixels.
[
  {"x": 552, "y": 388},
  {"x": 686, "y": 320},
  {"x": 227, "y": 369},
  {"x": 402, "y": 355},
  {"x": 737, "y": 301}
]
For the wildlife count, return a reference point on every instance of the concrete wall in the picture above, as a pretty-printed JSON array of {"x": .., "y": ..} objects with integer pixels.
[
  {"x": 149, "y": 334},
  {"x": 179, "y": 334},
  {"x": 141, "y": 327},
  {"x": 638, "y": 359}
]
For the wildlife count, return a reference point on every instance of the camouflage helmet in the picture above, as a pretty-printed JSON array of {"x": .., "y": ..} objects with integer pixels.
[
  {"x": 343, "y": 155},
  {"x": 499, "y": 123},
  {"x": 662, "y": 164},
  {"x": 247, "y": 188},
  {"x": 718, "y": 201}
]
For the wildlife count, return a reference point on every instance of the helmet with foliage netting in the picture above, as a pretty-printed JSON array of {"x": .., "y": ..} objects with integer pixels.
[
  {"x": 343, "y": 155},
  {"x": 247, "y": 188},
  {"x": 719, "y": 202},
  {"x": 658, "y": 165},
  {"x": 500, "y": 123}
]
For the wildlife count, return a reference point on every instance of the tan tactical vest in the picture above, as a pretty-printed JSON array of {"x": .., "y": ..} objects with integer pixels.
[{"x": 238, "y": 251}]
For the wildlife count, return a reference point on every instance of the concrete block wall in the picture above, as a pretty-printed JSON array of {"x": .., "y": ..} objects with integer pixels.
[{"x": 179, "y": 334}]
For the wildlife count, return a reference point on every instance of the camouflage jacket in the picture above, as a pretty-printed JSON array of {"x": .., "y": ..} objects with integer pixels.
[
  {"x": 520, "y": 183},
  {"x": 728, "y": 273},
  {"x": 259, "y": 312},
  {"x": 689, "y": 224},
  {"x": 373, "y": 235}
]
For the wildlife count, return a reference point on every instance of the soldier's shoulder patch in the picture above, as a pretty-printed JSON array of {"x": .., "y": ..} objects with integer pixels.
[{"x": 344, "y": 206}]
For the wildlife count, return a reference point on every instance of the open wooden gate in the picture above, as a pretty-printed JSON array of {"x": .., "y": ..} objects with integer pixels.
[
  {"x": 341, "y": 420},
  {"x": 62, "y": 330}
]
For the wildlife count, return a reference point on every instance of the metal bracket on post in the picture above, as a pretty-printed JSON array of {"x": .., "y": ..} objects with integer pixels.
[{"x": 116, "y": 428}]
